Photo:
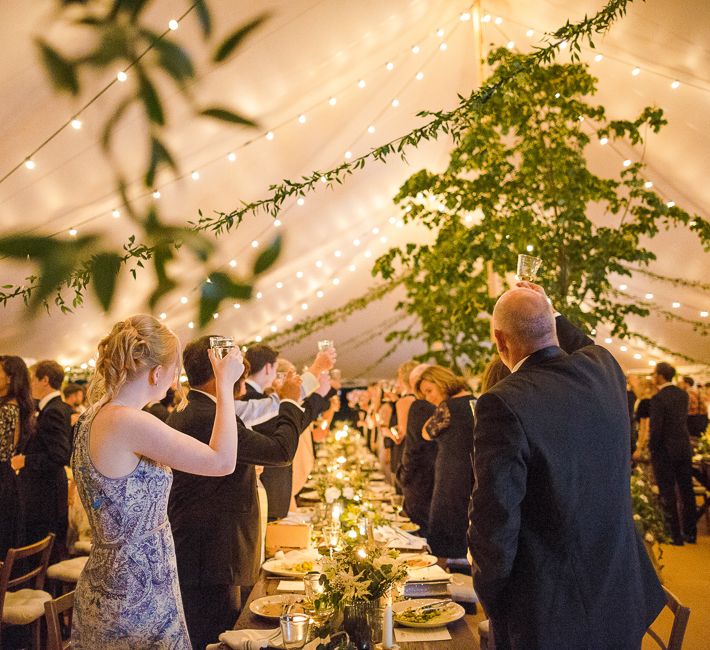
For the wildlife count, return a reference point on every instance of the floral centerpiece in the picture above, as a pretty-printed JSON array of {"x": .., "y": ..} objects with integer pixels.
[{"x": 648, "y": 515}]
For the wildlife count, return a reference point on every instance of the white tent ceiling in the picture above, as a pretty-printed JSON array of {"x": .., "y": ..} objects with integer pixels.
[{"x": 308, "y": 52}]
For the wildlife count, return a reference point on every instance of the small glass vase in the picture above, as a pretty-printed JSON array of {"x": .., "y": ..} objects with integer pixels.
[{"x": 362, "y": 620}]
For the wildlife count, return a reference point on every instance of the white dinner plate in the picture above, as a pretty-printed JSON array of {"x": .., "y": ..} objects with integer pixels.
[
  {"x": 272, "y": 606},
  {"x": 311, "y": 495},
  {"x": 406, "y": 526},
  {"x": 418, "y": 560},
  {"x": 449, "y": 613},
  {"x": 290, "y": 569}
]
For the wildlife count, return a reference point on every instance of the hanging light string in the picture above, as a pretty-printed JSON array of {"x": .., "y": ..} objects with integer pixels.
[
  {"x": 74, "y": 121},
  {"x": 600, "y": 55},
  {"x": 231, "y": 154}
]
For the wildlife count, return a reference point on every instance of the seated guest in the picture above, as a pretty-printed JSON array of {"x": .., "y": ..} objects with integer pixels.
[
  {"x": 46, "y": 452},
  {"x": 415, "y": 475},
  {"x": 17, "y": 422},
  {"x": 278, "y": 480},
  {"x": 557, "y": 562},
  {"x": 215, "y": 520},
  {"x": 450, "y": 428}
]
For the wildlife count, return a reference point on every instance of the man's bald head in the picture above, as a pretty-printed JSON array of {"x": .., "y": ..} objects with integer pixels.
[{"x": 523, "y": 322}]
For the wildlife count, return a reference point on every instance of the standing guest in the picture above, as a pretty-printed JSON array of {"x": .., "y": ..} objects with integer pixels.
[
  {"x": 450, "y": 428},
  {"x": 631, "y": 398},
  {"x": 17, "y": 422},
  {"x": 697, "y": 408},
  {"x": 416, "y": 470},
  {"x": 128, "y": 595},
  {"x": 43, "y": 479},
  {"x": 215, "y": 519},
  {"x": 404, "y": 401},
  {"x": 74, "y": 395},
  {"x": 642, "y": 413},
  {"x": 557, "y": 562},
  {"x": 671, "y": 454},
  {"x": 161, "y": 409}
]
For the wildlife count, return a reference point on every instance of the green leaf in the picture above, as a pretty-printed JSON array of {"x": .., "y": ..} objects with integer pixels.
[
  {"x": 269, "y": 256},
  {"x": 112, "y": 121},
  {"x": 60, "y": 70},
  {"x": 219, "y": 287},
  {"x": 171, "y": 57},
  {"x": 105, "y": 268},
  {"x": 150, "y": 99},
  {"x": 158, "y": 155},
  {"x": 203, "y": 15},
  {"x": 231, "y": 42},
  {"x": 20, "y": 246},
  {"x": 226, "y": 115}
]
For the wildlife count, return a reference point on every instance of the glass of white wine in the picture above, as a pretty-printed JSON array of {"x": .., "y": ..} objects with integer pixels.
[
  {"x": 221, "y": 345},
  {"x": 528, "y": 267}
]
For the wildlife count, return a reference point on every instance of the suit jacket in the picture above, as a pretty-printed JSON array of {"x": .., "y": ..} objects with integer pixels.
[
  {"x": 669, "y": 437},
  {"x": 557, "y": 560},
  {"x": 278, "y": 481},
  {"x": 51, "y": 444},
  {"x": 215, "y": 519}
]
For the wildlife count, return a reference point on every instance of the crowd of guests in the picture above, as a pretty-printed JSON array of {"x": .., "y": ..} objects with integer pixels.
[{"x": 173, "y": 551}]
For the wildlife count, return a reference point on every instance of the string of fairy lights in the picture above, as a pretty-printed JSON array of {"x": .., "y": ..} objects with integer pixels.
[{"x": 301, "y": 118}]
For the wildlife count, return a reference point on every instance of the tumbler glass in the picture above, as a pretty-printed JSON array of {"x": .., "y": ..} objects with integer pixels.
[
  {"x": 294, "y": 630},
  {"x": 325, "y": 344},
  {"x": 528, "y": 267},
  {"x": 221, "y": 345}
]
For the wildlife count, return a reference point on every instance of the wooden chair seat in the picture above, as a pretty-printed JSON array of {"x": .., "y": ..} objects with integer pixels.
[
  {"x": 67, "y": 570},
  {"x": 24, "y": 606}
]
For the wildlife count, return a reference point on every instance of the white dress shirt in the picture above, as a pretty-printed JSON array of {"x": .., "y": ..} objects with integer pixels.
[{"x": 48, "y": 398}]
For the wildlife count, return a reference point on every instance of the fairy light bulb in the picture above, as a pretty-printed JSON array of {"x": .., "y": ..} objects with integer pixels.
[
  {"x": 173, "y": 25},
  {"x": 637, "y": 356},
  {"x": 395, "y": 103},
  {"x": 486, "y": 18},
  {"x": 319, "y": 264},
  {"x": 348, "y": 155},
  {"x": 352, "y": 268},
  {"x": 607, "y": 340},
  {"x": 703, "y": 314},
  {"x": 416, "y": 49},
  {"x": 443, "y": 47},
  {"x": 627, "y": 162},
  {"x": 648, "y": 185},
  {"x": 675, "y": 84},
  {"x": 530, "y": 33},
  {"x": 649, "y": 296},
  {"x": 163, "y": 315},
  {"x": 183, "y": 300},
  {"x": 361, "y": 83},
  {"x": 233, "y": 263},
  {"x": 356, "y": 242},
  {"x": 465, "y": 17},
  {"x": 623, "y": 348},
  {"x": 510, "y": 45},
  {"x": 255, "y": 244},
  {"x": 215, "y": 315},
  {"x": 76, "y": 124},
  {"x": 115, "y": 213},
  {"x": 383, "y": 239},
  {"x": 277, "y": 223},
  {"x": 636, "y": 72},
  {"x": 440, "y": 32},
  {"x": 336, "y": 281},
  {"x": 375, "y": 231},
  {"x": 529, "y": 248},
  {"x": 258, "y": 338},
  {"x": 599, "y": 58},
  {"x": 319, "y": 293},
  {"x": 563, "y": 45},
  {"x": 191, "y": 325},
  {"x": 670, "y": 204},
  {"x": 603, "y": 140},
  {"x": 338, "y": 253},
  {"x": 195, "y": 176},
  {"x": 259, "y": 295},
  {"x": 419, "y": 76},
  {"x": 289, "y": 318},
  {"x": 270, "y": 135},
  {"x": 231, "y": 157},
  {"x": 274, "y": 329},
  {"x": 301, "y": 119},
  {"x": 279, "y": 285},
  {"x": 676, "y": 305},
  {"x": 30, "y": 164},
  {"x": 368, "y": 253},
  {"x": 121, "y": 76},
  {"x": 237, "y": 305},
  {"x": 300, "y": 201},
  {"x": 304, "y": 306},
  {"x": 371, "y": 128},
  {"x": 498, "y": 20},
  {"x": 156, "y": 194},
  {"x": 622, "y": 287},
  {"x": 389, "y": 66},
  {"x": 332, "y": 101},
  {"x": 651, "y": 363},
  {"x": 299, "y": 274},
  {"x": 73, "y": 232}
]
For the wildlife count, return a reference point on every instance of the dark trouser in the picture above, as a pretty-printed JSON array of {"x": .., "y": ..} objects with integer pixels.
[
  {"x": 209, "y": 611},
  {"x": 669, "y": 474},
  {"x": 697, "y": 425}
]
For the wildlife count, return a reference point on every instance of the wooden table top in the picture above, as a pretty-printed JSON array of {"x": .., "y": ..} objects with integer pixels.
[{"x": 461, "y": 636}]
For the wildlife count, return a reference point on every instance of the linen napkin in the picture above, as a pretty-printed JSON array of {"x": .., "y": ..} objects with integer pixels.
[
  {"x": 291, "y": 585},
  {"x": 432, "y": 573},
  {"x": 410, "y": 634},
  {"x": 248, "y": 639},
  {"x": 399, "y": 538}
]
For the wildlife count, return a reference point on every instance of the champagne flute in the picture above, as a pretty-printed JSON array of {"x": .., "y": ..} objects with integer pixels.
[
  {"x": 325, "y": 344},
  {"x": 221, "y": 345}
]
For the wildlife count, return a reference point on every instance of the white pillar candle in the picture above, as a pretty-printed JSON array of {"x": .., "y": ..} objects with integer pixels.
[{"x": 388, "y": 628}]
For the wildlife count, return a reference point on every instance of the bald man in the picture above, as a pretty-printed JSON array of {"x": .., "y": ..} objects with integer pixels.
[{"x": 557, "y": 562}]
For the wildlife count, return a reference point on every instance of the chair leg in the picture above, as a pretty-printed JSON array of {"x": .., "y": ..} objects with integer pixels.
[{"x": 36, "y": 635}]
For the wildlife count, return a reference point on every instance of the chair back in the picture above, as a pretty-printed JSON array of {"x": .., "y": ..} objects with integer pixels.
[
  {"x": 53, "y": 609},
  {"x": 37, "y": 574},
  {"x": 681, "y": 613}
]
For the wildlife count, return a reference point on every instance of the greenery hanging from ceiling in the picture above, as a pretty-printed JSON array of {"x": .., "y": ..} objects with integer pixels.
[
  {"x": 517, "y": 182},
  {"x": 92, "y": 259}
]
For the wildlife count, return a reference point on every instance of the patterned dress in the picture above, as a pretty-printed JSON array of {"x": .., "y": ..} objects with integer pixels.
[
  {"x": 128, "y": 596},
  {"x": 11, "y": 525}
]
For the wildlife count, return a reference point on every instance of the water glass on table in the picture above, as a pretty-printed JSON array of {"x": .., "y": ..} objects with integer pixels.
[{"x": 294, "y": 630}]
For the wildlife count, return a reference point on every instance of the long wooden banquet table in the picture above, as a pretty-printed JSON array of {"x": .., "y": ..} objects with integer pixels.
[{"x": 461, "y": 636}]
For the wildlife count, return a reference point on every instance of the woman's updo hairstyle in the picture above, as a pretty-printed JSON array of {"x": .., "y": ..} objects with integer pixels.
[{"x": 133, "y": 345}]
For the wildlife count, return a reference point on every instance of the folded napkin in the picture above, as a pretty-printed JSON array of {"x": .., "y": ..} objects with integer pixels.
[
  {"x": 299, "y": 555},
  {"x": 398, "y": 538},
  {"x": 461, "y": 589},
  {"x": 296, "y": 518},
  {"x": 248, "y": 639}
]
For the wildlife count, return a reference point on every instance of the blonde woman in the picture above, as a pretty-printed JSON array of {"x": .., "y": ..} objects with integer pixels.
[
  {"x": 128, "y": 595},
  {"x": 451, "y": 429}
]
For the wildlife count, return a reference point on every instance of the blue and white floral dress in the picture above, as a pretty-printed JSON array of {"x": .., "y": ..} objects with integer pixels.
[{"x": 128, "y": 595}]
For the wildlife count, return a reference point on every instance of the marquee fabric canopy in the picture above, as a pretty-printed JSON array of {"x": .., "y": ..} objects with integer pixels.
[{"x": 327, "y": 80}]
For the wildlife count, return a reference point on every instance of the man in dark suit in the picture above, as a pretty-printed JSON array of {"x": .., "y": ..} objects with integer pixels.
[
  {"x": 671, "y": 454},
  {"x": 263, "y": 361},
  {"x": 557, "y": 562},
  {"x": 43, "y": 479},
  {"x": 215, "y": 520}
]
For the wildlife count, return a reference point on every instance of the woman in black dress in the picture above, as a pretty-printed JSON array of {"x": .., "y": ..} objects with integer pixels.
[
  {"x": 451, "y": 430},
  {"x": 16, "y": 423}
]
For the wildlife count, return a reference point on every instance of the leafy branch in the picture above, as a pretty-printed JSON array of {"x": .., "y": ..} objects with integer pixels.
[
  {"x": 676, "y": 282},
  {"x": 119, "y": 37}
]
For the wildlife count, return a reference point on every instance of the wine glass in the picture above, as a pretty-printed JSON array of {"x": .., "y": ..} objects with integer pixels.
[
  {"x": 221, "y": 345},
  {"x": 397, "y": 501},
  {"x": 294, "y": 630},
  {"x": 325, "y": 344},
  {"x": 528, "y": 267}
]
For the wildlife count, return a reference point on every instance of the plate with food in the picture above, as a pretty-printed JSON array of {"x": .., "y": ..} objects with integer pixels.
[
  {"x": 310, "y": 495},
  {"x": 272, "y": 606},
  {"x": 290, "y": 568},
  {"x": 407, "y": 526},
  {"x": 427, "y": 612},
  {"x": 418, "y": 561}
]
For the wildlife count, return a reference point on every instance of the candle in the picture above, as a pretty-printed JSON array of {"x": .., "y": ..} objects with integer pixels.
[
  {"x": 337, "y": 511},
  {"x": 388, "y": 627}
]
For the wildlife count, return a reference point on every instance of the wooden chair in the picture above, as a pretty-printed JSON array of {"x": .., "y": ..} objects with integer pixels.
[
  {"x": 680, "y": 622},
  {"x": 25, "y": 606},
  {"x": 53, "y": 609}
]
